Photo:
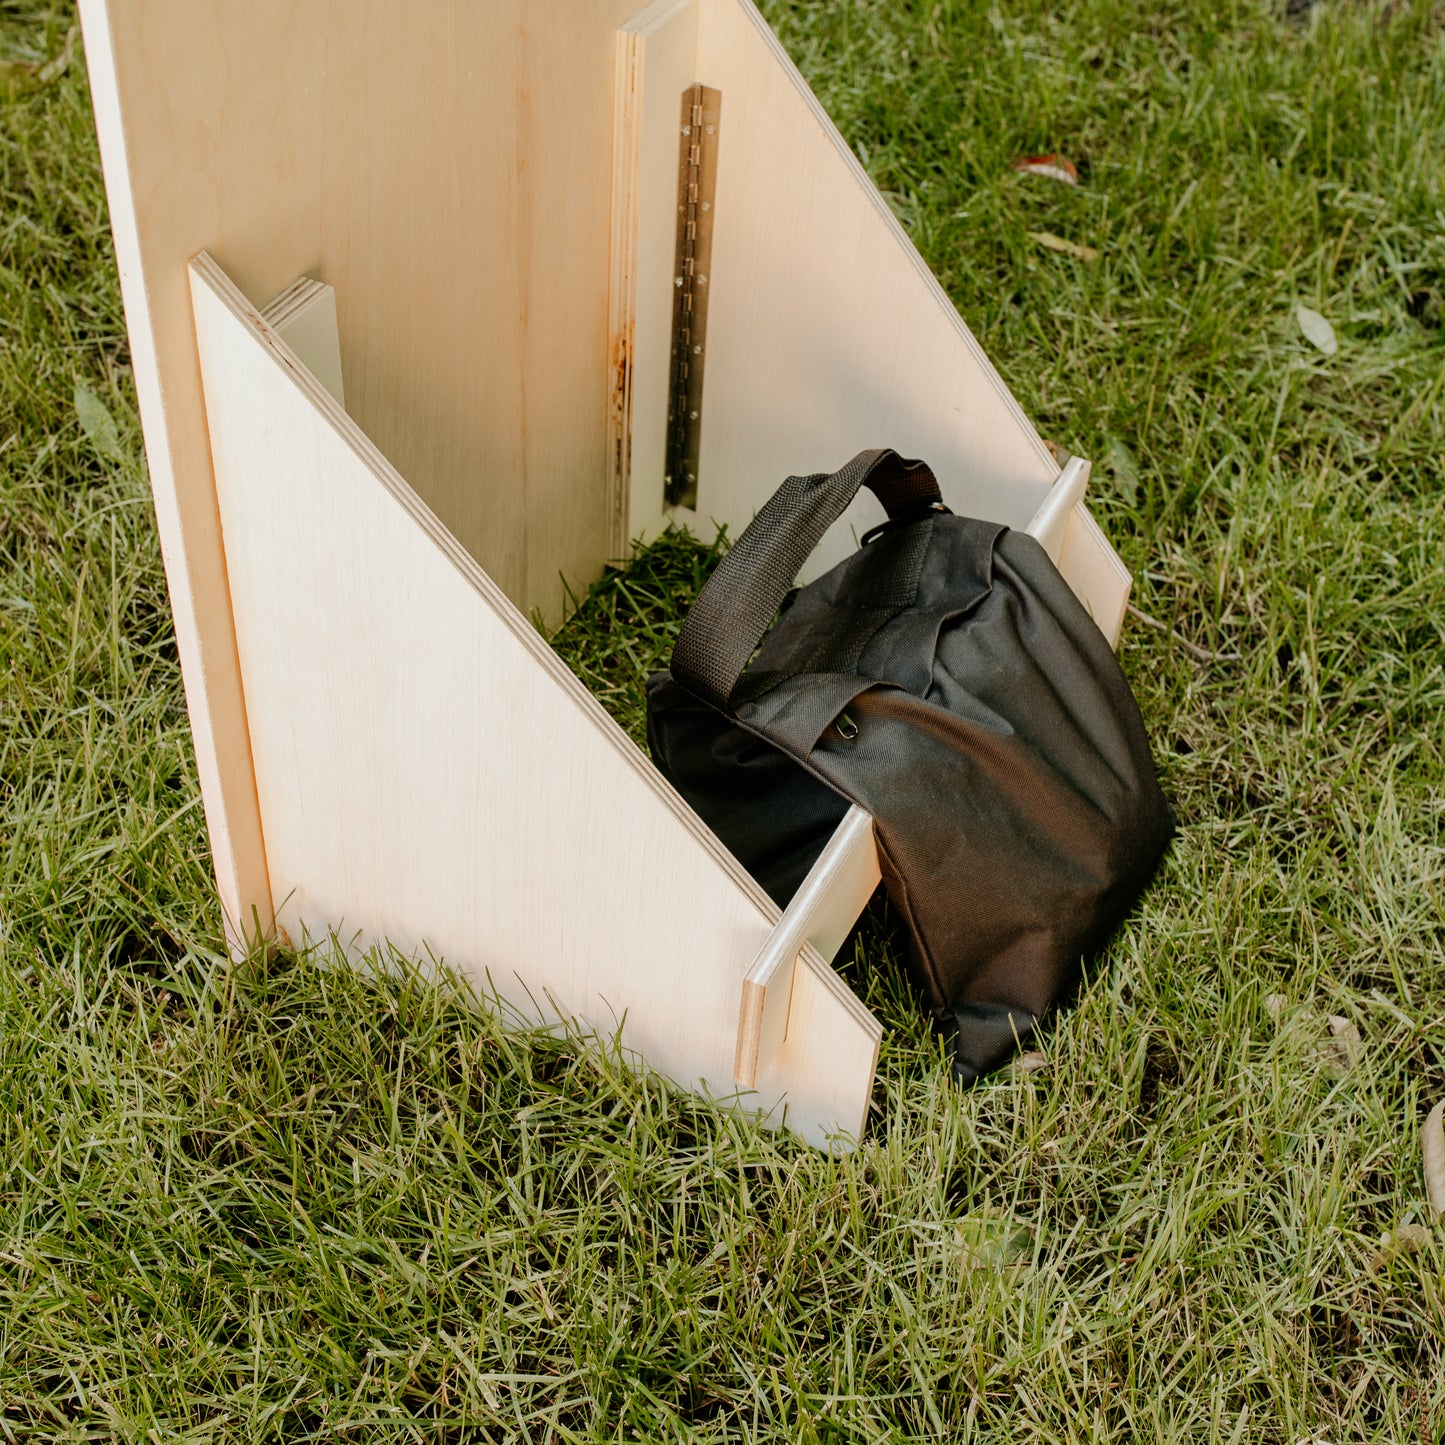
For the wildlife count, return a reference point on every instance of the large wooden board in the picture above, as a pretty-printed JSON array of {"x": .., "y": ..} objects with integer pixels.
[
  {"x": 430, "y": 774},
  {"x": 378, "y": 146}
]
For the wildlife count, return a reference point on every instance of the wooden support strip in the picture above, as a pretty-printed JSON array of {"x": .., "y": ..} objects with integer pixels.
[
  {"x": 1051, "y": 520},
  {"x": 821, "y": 914},
  {"x": 304, "y": 317},
  {"x": 1096, "y": 573}
]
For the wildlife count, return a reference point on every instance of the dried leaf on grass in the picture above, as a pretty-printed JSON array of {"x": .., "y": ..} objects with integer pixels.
[
  {"x": 1125, "y": 469},
  {"x": 1203, "y": 654},
  {"x": 1340, "y": 1053},
  {"x": 985, "y": 1242},
  {"x": 1317, "y": 330},
  {"x": 1055, "y": 166},
  {"x": 1432, "y": 1146},
  {"x": 59, "y": 63},
  {"x": 1063, "y": 247},
  {"x": 97, "y": 423},
  {"x": 1403, "y": 1239},
  {"x": 16, "y": 76},
  {"x": 1344, "y": 1049}
]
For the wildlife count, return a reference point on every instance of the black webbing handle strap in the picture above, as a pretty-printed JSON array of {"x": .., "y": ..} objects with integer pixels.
[{"x": 739, "y": 601}]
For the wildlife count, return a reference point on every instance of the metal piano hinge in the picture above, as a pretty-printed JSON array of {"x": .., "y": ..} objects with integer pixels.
[{"x": 696, "y": 194}]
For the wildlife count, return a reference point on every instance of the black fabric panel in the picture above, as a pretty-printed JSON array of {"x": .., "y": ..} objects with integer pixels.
[
  {"x": 981, "y": 1037},
  {"x": 773, "y": 816}
]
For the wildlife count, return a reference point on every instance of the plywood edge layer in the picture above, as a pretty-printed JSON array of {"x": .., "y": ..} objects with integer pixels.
[
  {"x": 188, "y": 522},
  {"x": 655, "y": 16},
  {"x": 621, "y": 299},
  {"x": 299, "y": 294},
  {"x": 640, "y": 65},
  {"x": 304, "y": 317},
  {"x": 818, "y": 918}
]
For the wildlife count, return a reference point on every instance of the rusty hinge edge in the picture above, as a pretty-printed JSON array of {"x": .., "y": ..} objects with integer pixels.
[{"x": 696, "y": 201}]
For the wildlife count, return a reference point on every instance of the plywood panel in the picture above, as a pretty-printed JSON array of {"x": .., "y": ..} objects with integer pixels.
[
  {"x": 377, "y": 146},
  {"x": 826, "y": 331},
  {"x": 1094, "y": 570},
  {"x": 380, "y": 147},
  {"x": 383, "y": 146},
  {"x": 429, "y": 773}
]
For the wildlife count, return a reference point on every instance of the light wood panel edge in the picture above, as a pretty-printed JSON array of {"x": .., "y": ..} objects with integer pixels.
[
  {"x": 1051, "y": 521},
  {"x": 819, "y": 917},
  {"x": 188, "y": 521},
  {"x": 1096, "y": 572},
  {"x": 304, "y": 317},
  {"x": 621, "y": 302}
]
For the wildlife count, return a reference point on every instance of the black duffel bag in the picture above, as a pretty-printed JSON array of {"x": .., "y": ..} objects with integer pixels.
[{"x": 946, "y": 679}]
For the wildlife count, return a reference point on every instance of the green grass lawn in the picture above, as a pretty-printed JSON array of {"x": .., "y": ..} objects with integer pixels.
[{"x": 276, "y": 1201}]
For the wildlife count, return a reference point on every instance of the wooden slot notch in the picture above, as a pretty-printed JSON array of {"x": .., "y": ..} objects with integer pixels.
[
  {"x": 304, "y": 317},
  {"x": 819, "y": 917}
]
